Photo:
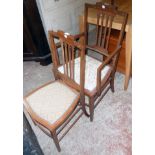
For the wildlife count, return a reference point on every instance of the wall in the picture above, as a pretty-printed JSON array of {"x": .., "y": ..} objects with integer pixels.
[{"x": 61, "y": 14}]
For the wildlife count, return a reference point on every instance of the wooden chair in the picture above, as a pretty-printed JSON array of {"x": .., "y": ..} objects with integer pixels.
[
  {"x": 105, "y": 72},
  {"x": 53, "y": 105},
  {"x": 99, "y": 75}
]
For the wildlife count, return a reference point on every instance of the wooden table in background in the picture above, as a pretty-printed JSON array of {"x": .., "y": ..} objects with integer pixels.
[{"x": 125, "y": 6}]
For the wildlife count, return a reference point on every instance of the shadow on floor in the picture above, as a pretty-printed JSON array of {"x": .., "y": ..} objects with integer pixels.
[{"x": 30, "y": 143}]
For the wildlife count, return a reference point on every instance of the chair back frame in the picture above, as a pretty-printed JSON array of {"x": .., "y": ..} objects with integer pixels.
[
  {"x": 105, "y": 17},
  {"x": 69, "y": 47}
]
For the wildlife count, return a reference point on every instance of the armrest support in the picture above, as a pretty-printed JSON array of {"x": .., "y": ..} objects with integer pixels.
[{"x": 107, "y": 61}]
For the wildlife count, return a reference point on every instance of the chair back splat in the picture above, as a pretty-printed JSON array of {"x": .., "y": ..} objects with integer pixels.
[{"x": 105, "y": 16}]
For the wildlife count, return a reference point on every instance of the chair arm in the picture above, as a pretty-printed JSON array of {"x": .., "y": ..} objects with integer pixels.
[
  {"x": 78, "y": 36},
  {"x": 98, "y": 50},
  {"x": 109, "y": 59}
]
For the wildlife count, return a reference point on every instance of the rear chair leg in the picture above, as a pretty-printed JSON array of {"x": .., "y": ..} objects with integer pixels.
[
  {"x": 83, "y": 107},
  {"x": 56, "y": 141},
  {"x": 112, "y": 85},
  {"x": 91, "y": 108}
]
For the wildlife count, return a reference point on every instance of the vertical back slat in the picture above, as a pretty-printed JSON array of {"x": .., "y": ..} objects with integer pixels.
[
  {"x": 105, "y": 30},
  {"x": 98, "y": 28},
  {"x": 101, "y": 29},
  {"x": 66, "y": 57},
  {"x": 63, "y": 56},
  {"x": 69, "y": 55},
  {"x": 72, "y": 63},
  {"x": 109, "y": 31}
]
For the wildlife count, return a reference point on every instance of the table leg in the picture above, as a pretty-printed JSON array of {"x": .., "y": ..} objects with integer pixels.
[
  {"x": 128, "y": 57},
  {"x": 81, "y": 27}
]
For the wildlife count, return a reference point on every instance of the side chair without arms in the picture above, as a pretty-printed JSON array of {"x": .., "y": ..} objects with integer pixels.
[
  {"x": 99, "y": 74},
  {"x": 53, "y": 105}
]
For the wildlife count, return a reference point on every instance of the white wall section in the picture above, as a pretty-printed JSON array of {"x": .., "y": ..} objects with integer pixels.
[{"x": 61, "y": 14}]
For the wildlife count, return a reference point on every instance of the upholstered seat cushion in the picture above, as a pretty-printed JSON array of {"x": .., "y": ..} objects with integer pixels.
[
  {"x": 51, "y": 101},
  {"x": 90, "y": 72}
]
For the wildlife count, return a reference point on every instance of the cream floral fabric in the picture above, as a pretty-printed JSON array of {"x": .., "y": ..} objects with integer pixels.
[
  {"x": 90, "y": 72},
  {"x": 51, "y": 101}
]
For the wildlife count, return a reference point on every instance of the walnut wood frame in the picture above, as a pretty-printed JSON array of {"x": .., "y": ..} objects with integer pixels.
[{"x": 53, "y": 130}]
